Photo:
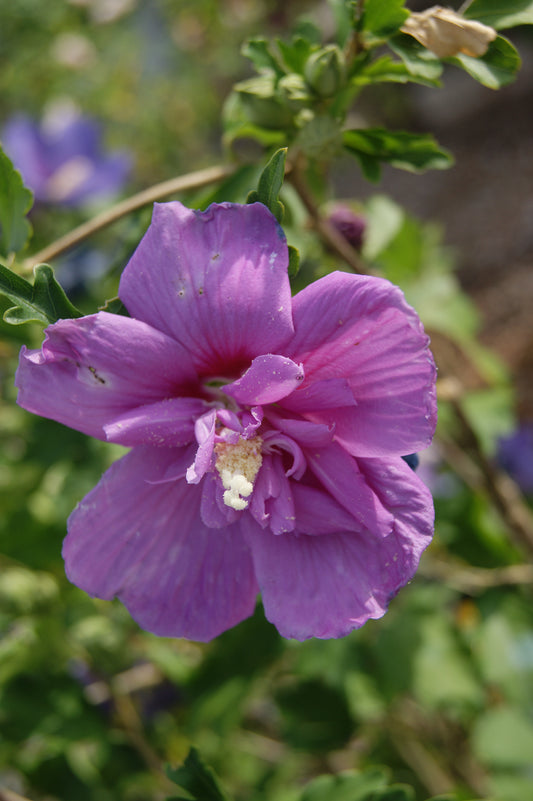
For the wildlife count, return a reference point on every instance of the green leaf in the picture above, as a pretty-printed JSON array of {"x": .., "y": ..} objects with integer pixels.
[
  {"x": 396, "y": 792},
  {"x": 408, "y": 151},
  {"x": 386, "y": 70},
  {"x": 249, "y": 131},
  {"x": 346, "y": 786},
  {"x": 419, "y": 61},
  {"x": 497, "y": 68},
  {"x": 44, "y": 301},
  {"x": 261, "y": 55},
  {"x": 501, "y": 14},
  {"x": 15, "y": 202},
  {"x": 197, "y": 778},
  {"x": 270, "y": 184},
  {"x": 320, "y": 138},
  {"x": 503, "y": 737},
  {"x": 296, "y": 53},
  {"x": 443, "y": 798},
  {"x": 384, "y": 220},
  {"x": 315, "y": 715},
  {"x": 382, "y": 18},
  {"x": 442, "y": 676}
]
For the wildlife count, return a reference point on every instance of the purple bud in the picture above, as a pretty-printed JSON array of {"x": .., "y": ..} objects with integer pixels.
[{"x": 349, "y": 224}]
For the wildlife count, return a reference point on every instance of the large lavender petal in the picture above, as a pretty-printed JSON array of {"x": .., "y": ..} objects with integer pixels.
[
  {"x": 176, "y": 576},
  {"x": 216, "y": 281},
  {"x": 361, "y": 329},
  {"x": 326, "y": 586},
  {"x": 93, "y": 369}
]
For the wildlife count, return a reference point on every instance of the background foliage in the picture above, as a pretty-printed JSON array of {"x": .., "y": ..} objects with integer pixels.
[{"x": 435, "y": 698}]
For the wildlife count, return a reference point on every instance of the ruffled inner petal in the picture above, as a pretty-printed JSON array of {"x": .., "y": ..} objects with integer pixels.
[
  {"x": 268, "y": 379},
  {"x": 204, "y": 430},
  {"x": 271, "y": 503}
]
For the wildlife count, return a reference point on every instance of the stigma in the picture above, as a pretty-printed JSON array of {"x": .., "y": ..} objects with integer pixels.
[{"x": 238, "y": 465}]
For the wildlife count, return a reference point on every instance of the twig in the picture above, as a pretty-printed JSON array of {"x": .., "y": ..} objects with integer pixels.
[
  {"x": 336, "y": 241},
  {"x": 408, "y": 729},
  {"x": 128, "y": 681},
  {"x": 131, "y": 724},
  {"x": 193, "y": 180},
  {"x": 474, "y": 579}
]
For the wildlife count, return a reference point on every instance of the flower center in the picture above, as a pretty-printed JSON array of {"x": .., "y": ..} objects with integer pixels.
[{"x": 238, "y": 465}]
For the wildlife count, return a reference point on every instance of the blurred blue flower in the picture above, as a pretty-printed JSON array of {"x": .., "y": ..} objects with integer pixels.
[
  {"x": 62, "y": 159},
  {"x": 515, "y": 456}
]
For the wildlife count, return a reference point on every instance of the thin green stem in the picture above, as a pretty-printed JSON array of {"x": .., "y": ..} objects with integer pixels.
[
  {"x": 183, "y": 183},
  {"x": 335, "y": 240}
]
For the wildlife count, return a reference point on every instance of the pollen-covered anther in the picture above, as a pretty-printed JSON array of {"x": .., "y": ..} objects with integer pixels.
[{"x": 238, "y": 465}]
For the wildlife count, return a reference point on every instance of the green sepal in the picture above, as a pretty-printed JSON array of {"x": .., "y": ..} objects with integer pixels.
[
  {"x": 497, "y": 68},
  {"x": 294, "y": 261},
  {"x": 262, "y": 103},
  {"x": 325, "y": 71},
  {"x": 115, "y": 306},
  {"x": 44, "y": 301},
  {"x": 407, "y": 151},
  {"x": 197, "y": 779},
  {"x": 15, "y": 202},
  {"x": 269, "y": 185},
  {"x": 500, "y": 14}
]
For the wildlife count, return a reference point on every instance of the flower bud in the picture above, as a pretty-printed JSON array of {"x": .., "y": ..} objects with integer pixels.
[
  {"x": 324, "y": 71},
  {"x": 295, "y": 91},
  {"x": 350, "y": 225},
  {"x": 259, "y": 98}
]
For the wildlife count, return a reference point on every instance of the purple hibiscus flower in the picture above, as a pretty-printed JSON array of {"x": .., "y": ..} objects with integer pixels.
[
  {"x": 63, "y": 161},
  {"x": 267, "y": 433}
]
